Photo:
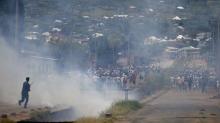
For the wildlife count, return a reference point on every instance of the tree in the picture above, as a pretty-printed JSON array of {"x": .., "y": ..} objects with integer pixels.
[{"x": 115, "y": 41}]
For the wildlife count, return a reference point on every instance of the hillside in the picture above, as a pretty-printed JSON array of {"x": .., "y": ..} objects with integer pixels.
[{"x": 106, "y": 28}]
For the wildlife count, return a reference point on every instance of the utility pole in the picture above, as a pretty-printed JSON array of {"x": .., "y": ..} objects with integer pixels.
[
  {"x": 129, "y": 50},
  {"x": 126, "y": 94},
  {"x": 16, "y": 22},
  {"x": 96, "y": 53},
  {"x": 218, "y": 46}
]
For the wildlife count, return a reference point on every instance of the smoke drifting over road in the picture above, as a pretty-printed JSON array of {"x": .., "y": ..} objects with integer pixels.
[
  {"x": 73, "y": 89},
  {"x": 101, "y": 31},
  {"x": 10, "y": 74}
]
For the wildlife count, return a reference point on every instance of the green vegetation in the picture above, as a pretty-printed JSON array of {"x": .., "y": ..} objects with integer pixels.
[
  {"x": 117, "y": 109},
  {"x": 6, "y": 120},
  {"x": 124, "y": 107},
  {"x": 80, "y": 20},
  {"x": 94, "y": 120}
]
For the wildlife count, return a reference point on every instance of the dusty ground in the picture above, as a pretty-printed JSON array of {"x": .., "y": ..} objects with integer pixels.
[
  {"x": 178, "y": 107},
  {"x": 17, "y": 113}
]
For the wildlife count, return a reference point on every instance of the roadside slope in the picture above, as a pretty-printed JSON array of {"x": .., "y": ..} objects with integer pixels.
[{"x": 173, "y": 107}]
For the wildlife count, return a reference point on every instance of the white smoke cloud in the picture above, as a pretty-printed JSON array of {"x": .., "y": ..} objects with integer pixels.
[
  {"x": 10, "y": 74},
  {"x": 74, "y": 89}
]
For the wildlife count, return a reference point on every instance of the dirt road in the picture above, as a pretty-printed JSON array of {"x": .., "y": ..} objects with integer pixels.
[
  {"x": 178, "y": 107},
  {"x": 17, "y": 113}
]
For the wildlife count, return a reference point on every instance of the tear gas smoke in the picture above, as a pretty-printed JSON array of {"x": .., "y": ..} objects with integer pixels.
[{"x": 74, "y": 89}]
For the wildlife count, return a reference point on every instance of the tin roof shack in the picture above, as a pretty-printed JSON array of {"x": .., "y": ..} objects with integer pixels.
[
  {"x": 171, "y": 52},
  {"x": 37, "y": 64},
  {"x": 189, "y": 53}
]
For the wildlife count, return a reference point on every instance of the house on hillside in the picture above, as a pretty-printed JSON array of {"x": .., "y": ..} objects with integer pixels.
[
  {"x": 189, "y": 52},
  {"x": 183, "y": 53},
  {"x": 38, "y": 64},
  {"x": 171, "y": 52}
]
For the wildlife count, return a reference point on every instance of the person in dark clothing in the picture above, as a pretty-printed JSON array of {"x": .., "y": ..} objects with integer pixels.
[
  {"x": 25, "y": 92},
  {"x": 190, "y": 82},
  {"x": 204, "y": 82}
]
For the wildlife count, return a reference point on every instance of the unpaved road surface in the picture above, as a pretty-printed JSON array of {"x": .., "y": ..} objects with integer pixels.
[
  {"x": 18, "y": 113},
  {"x": 178, "y": 107}
]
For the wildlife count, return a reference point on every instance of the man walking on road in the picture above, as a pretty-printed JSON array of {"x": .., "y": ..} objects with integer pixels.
[{"x": 25, "y": 92}]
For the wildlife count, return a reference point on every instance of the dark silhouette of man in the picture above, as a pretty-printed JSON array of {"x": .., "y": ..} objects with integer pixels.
[
  {"x": 25, "y": 92},
  {"x": 190, "y": 82}
]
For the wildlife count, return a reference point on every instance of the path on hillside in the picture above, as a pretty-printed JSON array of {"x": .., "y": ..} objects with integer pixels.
[{"x": 178, "y": 107}]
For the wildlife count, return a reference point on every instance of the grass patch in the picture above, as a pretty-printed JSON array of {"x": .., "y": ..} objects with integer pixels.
[
  {"x": 117, "y": 109},
  {"x": 124, "y": 107},
  {"x": 94, "y": 120},
  {"x": 6, "y": 120}
]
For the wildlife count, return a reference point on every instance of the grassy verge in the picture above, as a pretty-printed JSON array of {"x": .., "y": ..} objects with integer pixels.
[
  {"x": 95, "y": 120},
  {"x": 117, "y": 109},
  {"x": 124, "y": 107},
  {"x": 6, "y": 120}
]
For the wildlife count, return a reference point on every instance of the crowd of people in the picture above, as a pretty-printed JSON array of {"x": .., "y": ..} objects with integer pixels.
[
  {"x": 117, "y": 78},
  {"x": 189, "y": 79}
]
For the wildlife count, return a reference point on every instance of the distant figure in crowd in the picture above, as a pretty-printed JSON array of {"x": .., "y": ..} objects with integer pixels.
[
  {"x": 190, "y": 82},
  {"x": 180, "y": 83},
  {"x": 125, "y": 81},
  {"x": 133, "y": 77},
  {"x": 218, "y": 86},
  {"x": 25, "y": 92},
  {"x": 204, "y": 82}
]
